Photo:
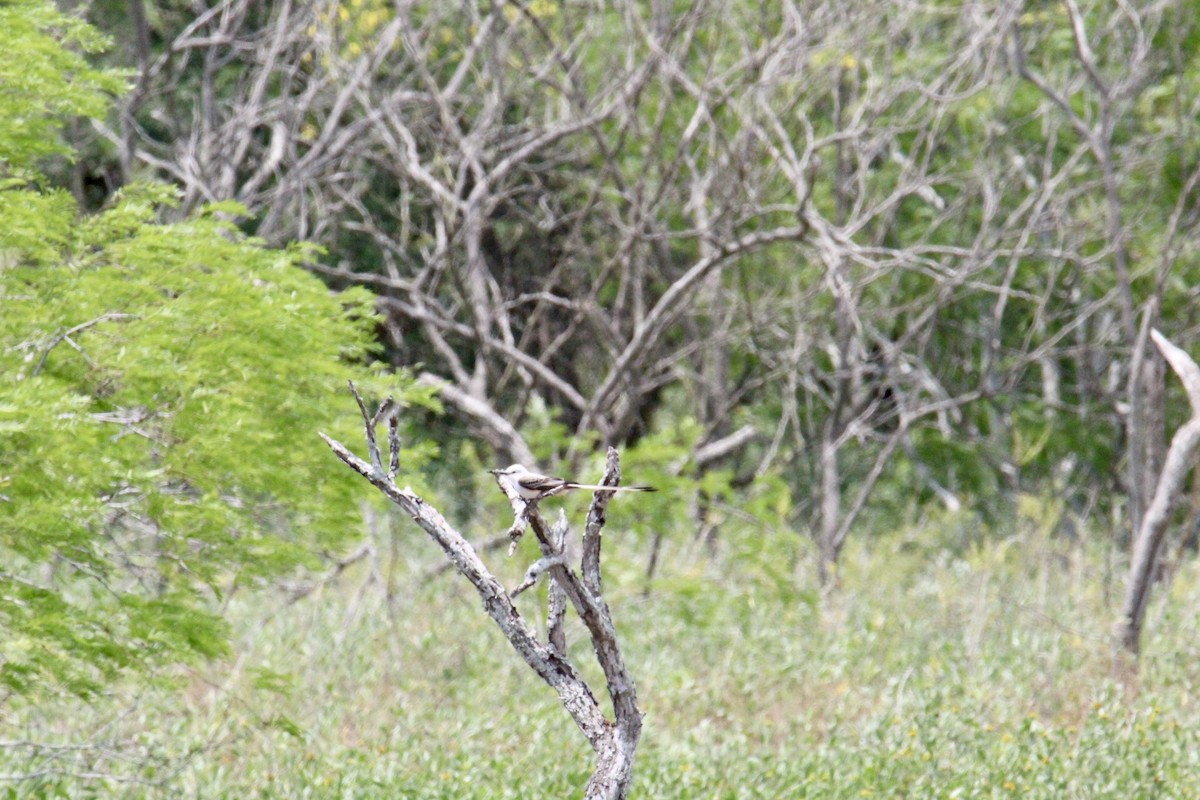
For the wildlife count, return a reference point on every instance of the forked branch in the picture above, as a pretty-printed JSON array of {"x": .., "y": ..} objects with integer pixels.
[{"x": 614, "y": 741}]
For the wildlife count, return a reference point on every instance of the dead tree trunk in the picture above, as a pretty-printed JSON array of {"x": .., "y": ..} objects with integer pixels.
[
  {"x": 614, "y": 741},
  {"x": 831, "y": 503},
  {"x": 1153, "y": 527}
]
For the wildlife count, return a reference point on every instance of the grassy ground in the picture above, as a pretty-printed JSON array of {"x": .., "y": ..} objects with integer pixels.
[{"x": 981, "y": 674}]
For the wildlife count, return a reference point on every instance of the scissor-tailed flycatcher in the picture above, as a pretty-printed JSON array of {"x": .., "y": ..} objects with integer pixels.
[{"x": 534, "y": 485}]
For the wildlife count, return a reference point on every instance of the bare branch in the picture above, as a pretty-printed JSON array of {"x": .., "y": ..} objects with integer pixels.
[
  {"x": 670, "y": 306},
  {"x": 1084, "y": 50},
  {"x": 594, "y": 528},
  {"x": 536, "y": 570},
  {"x": 499, "y": 431},
  {"x": 393, "y": 445},
  {"x": 1152, "y": 530},
  {"x": 65, "y": 336},
  {"x": 614, "y": 742},
  {"x": 576, "y": 697},
  {"x": 556, "y": 610},
  {"x": 1184, "y": 366},
  {"x": 716, "y": 450},
  {"x": 369, "y": 425}
]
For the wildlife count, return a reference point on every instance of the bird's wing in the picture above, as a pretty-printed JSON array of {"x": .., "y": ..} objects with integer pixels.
[{"x": 540, "y": 483}]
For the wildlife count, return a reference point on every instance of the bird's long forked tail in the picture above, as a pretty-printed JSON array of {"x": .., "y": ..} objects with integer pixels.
[{"x": 597, "y": 488}]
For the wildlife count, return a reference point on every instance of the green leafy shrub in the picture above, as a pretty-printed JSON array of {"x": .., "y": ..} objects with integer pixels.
[{"x": 161, "y": 387}]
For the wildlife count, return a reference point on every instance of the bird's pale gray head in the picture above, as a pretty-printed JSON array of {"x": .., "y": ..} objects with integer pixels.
[{"x": 509, "y": 470}]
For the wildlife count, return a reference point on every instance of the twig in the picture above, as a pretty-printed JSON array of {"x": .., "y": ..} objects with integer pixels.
[
  {"x": 535, "y": 571},
  {"x": 594, "y": 527},
  {"x": 393, "y": 445},
  {"x": 369, "y": 424},
  {"x": 65, "y": 336},
  {"x": 718, "y": 449}
]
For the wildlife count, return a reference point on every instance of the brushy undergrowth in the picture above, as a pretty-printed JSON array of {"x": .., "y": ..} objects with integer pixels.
[{"x": 982, "y": 673}]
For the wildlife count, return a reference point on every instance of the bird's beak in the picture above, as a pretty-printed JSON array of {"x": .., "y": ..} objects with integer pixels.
[{"x": 495, "y": 471}]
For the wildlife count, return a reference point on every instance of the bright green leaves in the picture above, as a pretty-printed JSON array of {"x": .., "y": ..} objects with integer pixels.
[
  {"x": 43, "y": 80},
  {"x": 24, "y": 236},
  {"x": 161, "y": 387}
]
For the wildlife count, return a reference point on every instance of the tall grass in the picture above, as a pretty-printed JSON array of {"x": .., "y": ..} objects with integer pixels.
[{"x": 975, "y": 670}]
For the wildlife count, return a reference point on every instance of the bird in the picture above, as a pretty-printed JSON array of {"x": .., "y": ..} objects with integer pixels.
[{"x": 533, "y": 486}]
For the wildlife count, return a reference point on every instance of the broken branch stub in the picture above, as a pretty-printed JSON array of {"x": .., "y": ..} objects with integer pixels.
[{"x": 614, "y": 741}]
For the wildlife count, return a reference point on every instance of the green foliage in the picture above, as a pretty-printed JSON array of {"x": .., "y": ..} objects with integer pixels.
[
  {"x": 664, "y": 459},
  {"x": 980, "y": 675},
  {"x": 161, "y": 387},
  {"x": 44, "y": 81}
]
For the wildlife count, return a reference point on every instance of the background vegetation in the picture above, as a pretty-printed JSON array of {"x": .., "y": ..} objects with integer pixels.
[{"x": 864, "y": 288}]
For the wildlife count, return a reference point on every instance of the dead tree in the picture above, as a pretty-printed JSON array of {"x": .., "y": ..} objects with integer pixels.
[
  {"x": 1153, "y": 527},
  {"x": 614, "y": 741}
]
